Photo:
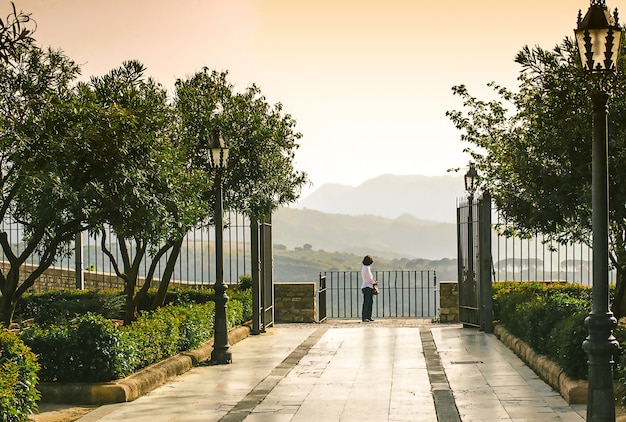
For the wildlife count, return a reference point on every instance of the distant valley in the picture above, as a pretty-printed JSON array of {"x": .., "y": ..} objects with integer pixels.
[{"x": 403, "y": 237}]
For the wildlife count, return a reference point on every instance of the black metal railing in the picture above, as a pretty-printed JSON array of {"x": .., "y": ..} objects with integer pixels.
[
  {"x": 538, "y": 259},
  {"x": 195, "y": 265},
  {"x": 403, "y": 294}
]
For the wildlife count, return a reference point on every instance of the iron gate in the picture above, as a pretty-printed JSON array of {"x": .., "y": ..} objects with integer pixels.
[
  {"x": 321, "y": 300},
  {"x": 403, "y": 294},
  {"x": 262, "y": 276},
  {"x": 474, "y": 262}
]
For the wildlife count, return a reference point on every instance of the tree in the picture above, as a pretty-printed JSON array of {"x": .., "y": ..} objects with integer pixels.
[
  {"x": 533, "y": 149},
  {"x": 261, "y": 172},
  {"x": 44, "y": 176},
  {"x": 150, "y": 199},
  {"x": 263, "y": 143}
]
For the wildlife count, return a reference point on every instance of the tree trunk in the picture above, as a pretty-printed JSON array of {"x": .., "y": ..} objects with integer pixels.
[
  {"x": 159, "y": 298},
  {"x": 130, "y": 314},
  {"x": 10, "y": 294},
  {"x": 7, "y": 307}
]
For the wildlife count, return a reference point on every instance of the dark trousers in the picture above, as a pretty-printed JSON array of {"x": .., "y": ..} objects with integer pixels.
[{"x": 368, "y": 300}]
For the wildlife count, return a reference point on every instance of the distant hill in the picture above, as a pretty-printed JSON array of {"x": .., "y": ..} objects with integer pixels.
[
  {"x": 403, "y": 237},
  {"x": 425, "y": 197}
]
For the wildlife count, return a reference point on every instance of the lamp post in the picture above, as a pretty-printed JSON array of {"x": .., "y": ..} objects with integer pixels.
[
  {"x": 598, "y": 37},
  {"x": 471, "y": 183},
  {"x": 218, "y": 158}
]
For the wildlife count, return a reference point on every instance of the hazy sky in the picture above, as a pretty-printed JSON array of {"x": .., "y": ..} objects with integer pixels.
[{"x": 367, "y": 81}]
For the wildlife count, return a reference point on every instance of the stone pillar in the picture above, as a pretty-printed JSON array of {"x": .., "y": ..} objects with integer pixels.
[
  {"x": 448, "y": 302},
  {"x": 295, "y": 302}
]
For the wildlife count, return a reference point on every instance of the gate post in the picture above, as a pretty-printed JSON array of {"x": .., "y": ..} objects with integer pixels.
[
  {"x": 321, "y": 299},
  {"x": 266, "y": 272},
  {"x": 78, "y": 261},
  {"x": 484, "y": 252},
  {"x": 256, "y": 282}
]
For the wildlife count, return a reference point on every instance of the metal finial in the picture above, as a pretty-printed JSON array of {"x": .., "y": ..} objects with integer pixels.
[
  {"x": 580, "y": 16},
  {"x": 615, "y": 16}
]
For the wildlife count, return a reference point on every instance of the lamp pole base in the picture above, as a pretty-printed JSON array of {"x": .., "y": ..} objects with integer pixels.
[{"x": 221, "y": 353}]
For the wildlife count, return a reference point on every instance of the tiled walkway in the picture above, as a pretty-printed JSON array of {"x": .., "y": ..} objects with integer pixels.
[{"x": 350, "y": 371}]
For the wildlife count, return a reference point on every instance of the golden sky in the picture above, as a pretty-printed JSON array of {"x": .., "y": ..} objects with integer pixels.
[{"x": 367, "y": 81}]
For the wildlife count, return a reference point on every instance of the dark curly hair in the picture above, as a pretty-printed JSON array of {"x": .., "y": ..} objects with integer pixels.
[{"x": 368, "y": 260}]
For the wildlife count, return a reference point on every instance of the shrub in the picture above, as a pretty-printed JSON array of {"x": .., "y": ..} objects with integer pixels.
[
  {"x": 170, "y": 330},
  {"x": 549, "y": 317},
  {"x": 195, "y": 325},
  {"x": 178, "y": 296},
  {"x": 89, "y": 348},
  {"x": 18, "y": 379},
  {"x": 92, "y": 348},
  {"x": 245, "y": 282},
  {"x": 60, "y": 306},
  {"x": 243, "y": 297},
  {"x": 565, "y": 342}
]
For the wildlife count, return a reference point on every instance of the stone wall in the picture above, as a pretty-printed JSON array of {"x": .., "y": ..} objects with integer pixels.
[
  {"x": 448, "y": 301},
  {"x": 295, "y": 302},
  {"x": 55, "y": 278}
]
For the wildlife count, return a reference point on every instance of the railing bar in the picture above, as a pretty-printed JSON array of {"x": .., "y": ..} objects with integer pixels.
[
  {"x": 344, "y": 290},
  {"x": 409, "y": 294},
  {"x": 396, "y": 296},
  {"x": 424, "y": 301}
]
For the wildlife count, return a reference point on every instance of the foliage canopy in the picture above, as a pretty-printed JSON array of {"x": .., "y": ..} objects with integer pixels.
[
  {"x": 116, "y": 153},
  {"x": 533, "y": 149}
]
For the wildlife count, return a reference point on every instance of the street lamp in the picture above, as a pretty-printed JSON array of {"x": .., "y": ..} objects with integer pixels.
[
  {"x": 598, "y": 37},
  {"x": 218, "y": 159},
  {"x": 471, "y": 180},
  {"x": 471, "y": 184}
]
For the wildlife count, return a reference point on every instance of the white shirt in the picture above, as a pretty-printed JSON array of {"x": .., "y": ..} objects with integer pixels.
[{"x": 366, "y": 275}]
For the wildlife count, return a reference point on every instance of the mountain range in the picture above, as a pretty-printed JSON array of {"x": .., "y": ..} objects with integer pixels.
[
  {"x": 430, "y": 198},
  {"x": 388, "y": 216}
]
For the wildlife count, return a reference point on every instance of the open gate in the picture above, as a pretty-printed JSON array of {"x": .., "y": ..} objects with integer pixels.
[
  {"x": 262, "y": 275},
  {"x": 474, "y": 262}
]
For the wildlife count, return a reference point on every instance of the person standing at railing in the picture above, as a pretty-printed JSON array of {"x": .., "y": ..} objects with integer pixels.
[{"x": 367, "y": 287}]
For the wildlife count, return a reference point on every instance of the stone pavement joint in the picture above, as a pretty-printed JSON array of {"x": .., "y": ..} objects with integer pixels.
[{"x": 445, "y": 405}]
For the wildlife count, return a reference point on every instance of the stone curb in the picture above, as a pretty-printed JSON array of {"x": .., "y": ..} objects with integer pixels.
[
  {"x": 137, "y": 384},
  {"x": 572, "y": 391}
]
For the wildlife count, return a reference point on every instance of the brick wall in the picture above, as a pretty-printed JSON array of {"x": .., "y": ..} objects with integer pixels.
[
  {"x": 448, "y": 301},
  {"x": 295, "y": 302}
]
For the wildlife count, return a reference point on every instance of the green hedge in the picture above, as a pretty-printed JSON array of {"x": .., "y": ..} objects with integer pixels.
[
  {"x": 60, "y": 306},
  {"x": 550, "y": 317},
  {"x": 18, "y": 379},
  {"x": 89, "y": 348},
  {"x": 92, "y": 348}
]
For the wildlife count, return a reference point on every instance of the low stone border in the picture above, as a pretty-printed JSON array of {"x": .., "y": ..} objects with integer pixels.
[
  {"x": 573, "y": 391},
  {"x": 137, "y": 384}
]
